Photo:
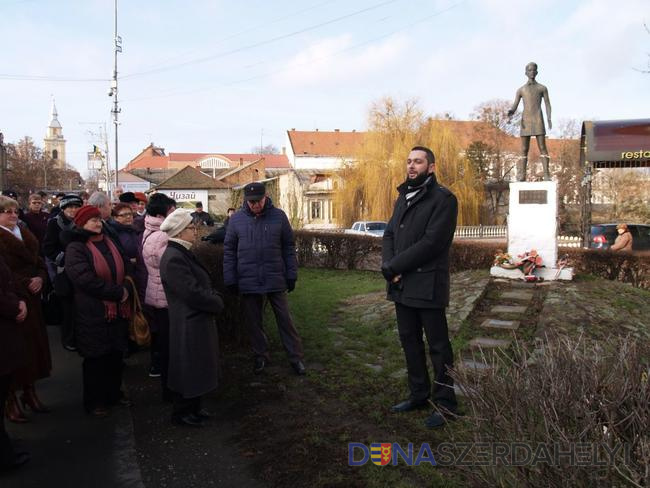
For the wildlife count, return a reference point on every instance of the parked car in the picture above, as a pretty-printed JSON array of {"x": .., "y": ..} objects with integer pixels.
[
  {"x": 367, "y": 228},
  {"x": 602, "y": 236}
]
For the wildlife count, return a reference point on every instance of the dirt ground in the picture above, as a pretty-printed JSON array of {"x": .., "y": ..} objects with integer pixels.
[{"x": 277, "y": 429}]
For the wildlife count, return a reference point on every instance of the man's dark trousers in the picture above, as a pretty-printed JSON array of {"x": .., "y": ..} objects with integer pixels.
[
  {"x": 410, "y": 323},
  {"x": 252, "y": 304}
]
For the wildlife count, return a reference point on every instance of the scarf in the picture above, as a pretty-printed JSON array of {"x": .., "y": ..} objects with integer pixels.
[
  {"x": 414, "y": 186},
  {"x": 103, "y": 270},
  {"x": 187, "y": 245}
]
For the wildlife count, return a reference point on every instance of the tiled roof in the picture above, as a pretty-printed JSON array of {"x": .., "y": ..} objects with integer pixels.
[
  {"x": 190, "y": 178},
  {"x": 144, "y": 162},
  {"x": 124, "y": 176},
  {"x": 324, "y": 143}
]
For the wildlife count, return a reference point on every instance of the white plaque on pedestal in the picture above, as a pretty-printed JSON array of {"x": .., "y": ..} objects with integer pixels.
[{"x": 532, "y": 220}]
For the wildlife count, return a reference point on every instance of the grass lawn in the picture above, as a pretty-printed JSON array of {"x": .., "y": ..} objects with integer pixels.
[{"x": 356, "y": 372}]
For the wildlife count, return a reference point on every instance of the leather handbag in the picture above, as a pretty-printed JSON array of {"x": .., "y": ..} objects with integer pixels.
[{"x": 139, "y": 331}]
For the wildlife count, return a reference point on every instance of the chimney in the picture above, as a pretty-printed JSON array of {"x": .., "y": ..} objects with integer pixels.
[
  {"x": 354, "y": 130},
  {"x": 241, "y": 161},
  {"x": 284, "y": 150},
  {"x": 337, "y": 130},
  {"x": 293, "y": 128},
  {"x": 316, "y": 129}
]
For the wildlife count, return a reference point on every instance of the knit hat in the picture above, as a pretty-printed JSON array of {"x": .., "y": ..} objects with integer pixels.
[
  {"x": 176, "y": 221},
  {"x": 70, "y": 199},
  {"x": 128, "y": 197},
  {"x": 254, "y": 191},
  {"x": 85, "y": 213},
  {"x": 140, "y": 197}
]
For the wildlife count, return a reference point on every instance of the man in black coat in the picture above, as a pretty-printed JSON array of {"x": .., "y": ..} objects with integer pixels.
[{"x": 415, "y": 259}]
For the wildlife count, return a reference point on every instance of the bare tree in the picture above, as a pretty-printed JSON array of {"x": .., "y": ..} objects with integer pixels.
[{"x": 267, "y": 149}]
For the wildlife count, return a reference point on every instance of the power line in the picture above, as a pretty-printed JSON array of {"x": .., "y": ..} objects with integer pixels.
[
  {"x": 245, "y": 31},
  {"x": 257, "y": 44},
  {"x": 306, "y": 63},
  {"x": 7, "y": 76}
]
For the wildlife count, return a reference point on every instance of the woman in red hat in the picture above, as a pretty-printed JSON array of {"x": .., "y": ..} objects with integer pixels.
[{"x": 97, "y": 270}]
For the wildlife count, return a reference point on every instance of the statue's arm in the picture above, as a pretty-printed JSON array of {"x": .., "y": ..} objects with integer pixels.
[
  {"x": 515, "y": 104},
  {"x": 547, "y": 104}
]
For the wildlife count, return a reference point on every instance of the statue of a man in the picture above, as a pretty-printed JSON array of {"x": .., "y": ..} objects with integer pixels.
[{"x": 532, "y": 121}]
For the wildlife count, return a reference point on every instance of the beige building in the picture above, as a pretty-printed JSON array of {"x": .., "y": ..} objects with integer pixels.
[{"x": 54, "y": 143}]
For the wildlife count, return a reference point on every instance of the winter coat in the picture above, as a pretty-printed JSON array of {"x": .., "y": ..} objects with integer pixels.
[
  {"x": 95, "y": 336},
  {"x": 623, "y": 242},
  {"x": 55, "y": 241},
  {"x": 12, "y": 340},
  {"x": 25, "y": 263},
  {"x": 259, "y": 254},
  {"x": 131, "y": 241},
  {"x": 154, "y": 243},
  {"x": 193, "y": 340},
  {"x": 37, "y": 223},
  {"x": 416, "y": 245}
]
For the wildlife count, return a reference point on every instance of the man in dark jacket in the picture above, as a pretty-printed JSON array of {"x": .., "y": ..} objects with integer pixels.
[
  {"x": 202, "y": 217},
  {"x": 415, "y": 261},
  {"x": 259, "y": 258}
]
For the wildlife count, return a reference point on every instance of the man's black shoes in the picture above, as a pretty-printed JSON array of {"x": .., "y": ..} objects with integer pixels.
[
  {"x": 189, "y": 420},
  {"x": 19, "y": 459},
  {"x": 299, "y": 368},
  {"x": 409, "y": 405},
  {"x": 259, "y": 364}
]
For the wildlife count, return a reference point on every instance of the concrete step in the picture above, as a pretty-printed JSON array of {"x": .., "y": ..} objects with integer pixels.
[
  {"x": 489, "y": 343},
  {"x": 500, "y": 324},
  {"x": 523, "y": 295},
  {"x": 509, "y": 309},
  {"x": 476, "y": 366}
]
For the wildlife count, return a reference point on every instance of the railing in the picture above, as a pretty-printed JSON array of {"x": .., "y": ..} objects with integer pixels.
[
  {"x": 569, "y": 241},
  {"x": 500, "y": 231},
  {"x": 480, "y": 231}
]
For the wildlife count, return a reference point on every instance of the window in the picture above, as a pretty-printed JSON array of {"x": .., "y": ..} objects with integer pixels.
[
  {"x": 316, "y": 210},
  {"x": 55, "y": 154}
]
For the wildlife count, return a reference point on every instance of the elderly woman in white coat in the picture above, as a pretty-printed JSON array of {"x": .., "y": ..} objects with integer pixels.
[{"x": 193, "y": 341}]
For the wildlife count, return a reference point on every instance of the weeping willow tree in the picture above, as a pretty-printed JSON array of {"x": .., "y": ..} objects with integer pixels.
[{"x": 368, "y": 188}]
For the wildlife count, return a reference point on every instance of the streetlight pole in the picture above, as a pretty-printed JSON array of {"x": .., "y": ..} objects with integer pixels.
[{"x": 113, "y": 92}]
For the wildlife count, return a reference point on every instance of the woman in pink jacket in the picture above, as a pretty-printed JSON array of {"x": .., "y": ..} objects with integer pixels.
[{"x": 154, "y": 243}]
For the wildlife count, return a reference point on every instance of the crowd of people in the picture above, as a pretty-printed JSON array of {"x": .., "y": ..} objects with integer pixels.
[{"x": 88, "y": 256}]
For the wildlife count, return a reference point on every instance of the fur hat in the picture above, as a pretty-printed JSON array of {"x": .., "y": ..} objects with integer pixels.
[
  {"x": 128, "y": 197},
  {"x": 176, "y": 221},
  {"x": 85, "y": 213},
  {"x": 70, "y": 199}
]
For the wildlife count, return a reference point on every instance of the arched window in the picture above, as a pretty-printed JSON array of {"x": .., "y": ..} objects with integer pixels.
[{"x": 55, "y": 154}]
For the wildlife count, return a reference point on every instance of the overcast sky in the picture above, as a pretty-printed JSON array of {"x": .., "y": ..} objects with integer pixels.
[{"x": 215, "y": 76}]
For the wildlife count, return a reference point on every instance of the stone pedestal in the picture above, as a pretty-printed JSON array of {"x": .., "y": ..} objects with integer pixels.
[{"x": 532, "y": 224}]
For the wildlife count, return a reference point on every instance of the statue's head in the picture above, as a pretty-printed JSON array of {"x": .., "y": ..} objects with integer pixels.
[{"x": 531, "y": 70}]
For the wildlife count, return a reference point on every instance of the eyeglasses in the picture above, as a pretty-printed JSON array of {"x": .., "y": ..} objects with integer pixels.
[
  {"x": 125, "y": 215},
  {"x": 11, "y": 211}
]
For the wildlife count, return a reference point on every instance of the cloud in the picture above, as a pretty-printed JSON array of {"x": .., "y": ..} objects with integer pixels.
[{"x": 335, "y": 59}]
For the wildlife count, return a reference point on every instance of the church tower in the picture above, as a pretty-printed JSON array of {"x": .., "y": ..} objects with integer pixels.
[{"x": 54, "y": 143}]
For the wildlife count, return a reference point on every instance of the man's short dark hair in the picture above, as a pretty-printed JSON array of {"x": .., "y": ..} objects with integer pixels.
[
  {"x": 159, "y": 204},
  {"x": 431, "y": 158},
  {"x": 199, "y": 205}
]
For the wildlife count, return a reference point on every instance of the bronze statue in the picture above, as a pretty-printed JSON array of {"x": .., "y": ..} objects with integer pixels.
[{"x": 532, "y": 121}]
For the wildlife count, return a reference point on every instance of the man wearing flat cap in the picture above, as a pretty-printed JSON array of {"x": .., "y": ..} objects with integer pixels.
[{"x": 260, "y": 260}]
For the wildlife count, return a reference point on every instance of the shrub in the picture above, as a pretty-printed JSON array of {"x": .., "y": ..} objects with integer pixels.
[
  {"x": 633, "y": 268},
  {"x": 229, "y": 321},
  {"x": 573, "y": 391},
  {"x": 337, "y": 250}
]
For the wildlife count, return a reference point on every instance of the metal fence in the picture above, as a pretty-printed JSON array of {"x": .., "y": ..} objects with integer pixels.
[
  {"x": 480, "y": 231},
  {"x": 500, "y": 232}
]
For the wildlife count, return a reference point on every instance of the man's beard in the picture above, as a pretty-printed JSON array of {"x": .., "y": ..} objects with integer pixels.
[{"x": 417, "y": 181}]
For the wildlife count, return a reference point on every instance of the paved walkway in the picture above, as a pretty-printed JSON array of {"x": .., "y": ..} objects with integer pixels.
[{"x": 68, "y": 447}]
